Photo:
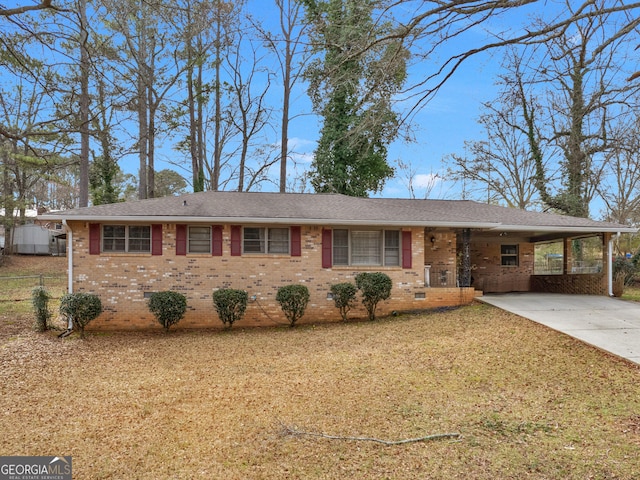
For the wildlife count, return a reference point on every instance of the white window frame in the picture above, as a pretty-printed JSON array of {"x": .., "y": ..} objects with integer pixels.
[
  {"x": 127, "y": 239},
  {"x": 385, "y": 251},
  {"x": 266, "y": 244}
]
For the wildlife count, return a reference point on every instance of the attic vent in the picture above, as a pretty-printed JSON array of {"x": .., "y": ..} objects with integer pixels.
[{"x": 184, "y": 203}]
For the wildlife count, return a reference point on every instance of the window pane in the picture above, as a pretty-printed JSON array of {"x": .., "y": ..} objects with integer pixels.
[
  {"x": 548, "y": 258},
  {"x": 278, "y": 240},
  {"x": 341, "y": 247},
  {"x": 199, "y": 240},
  {"x": 113, "y": 238},
  {"x": 509, "y": 255},
  {"x": 139, "y": 238},
  {"x": 392, "y": 247},
  {"x": 253, "y": 240},
  {"x": 366, "y": 248},
  {"x": 586, "y": 255}
]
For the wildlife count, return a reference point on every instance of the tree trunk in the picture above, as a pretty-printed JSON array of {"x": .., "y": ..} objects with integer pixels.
[
  {"x": 284, "y": 136},
  {"x": 215, "y": 180},
  {"x": 84, "y": 108}
]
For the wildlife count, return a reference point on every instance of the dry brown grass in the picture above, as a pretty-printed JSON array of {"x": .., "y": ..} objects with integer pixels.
[{"x": 528, "y": 402}]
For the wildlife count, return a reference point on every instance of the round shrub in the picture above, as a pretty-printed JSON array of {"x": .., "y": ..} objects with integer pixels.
[
  {"x": 293, "y": 300},
  {"x": 230, "y": 304},
  {"x": 168, "y": 307},
  {"x": 344, "y": 296},
  {"x": 375, "y": 286},
  {"x": 81, "y": 308}
]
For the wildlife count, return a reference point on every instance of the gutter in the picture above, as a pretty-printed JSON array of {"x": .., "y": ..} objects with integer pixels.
[
  {"x": 372, "y": 222},
  {"x": 273, "y": 221},
  {"x": 69, "y": 266}
]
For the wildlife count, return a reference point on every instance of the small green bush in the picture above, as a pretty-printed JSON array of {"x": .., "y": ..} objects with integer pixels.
[
  {"x": 81, "y": 308},
  {"x": 230, "y": 304},
  {"x": 293, "y": 300},
  {"x": 40, "y": 301},
  {"x": 168, "y": 307},
  {"x": 344, "y": 296},
  {"x": 375, "y": 286}
]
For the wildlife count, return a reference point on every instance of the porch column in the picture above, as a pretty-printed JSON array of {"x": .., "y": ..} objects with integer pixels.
[{"x": 465, "y": 280}]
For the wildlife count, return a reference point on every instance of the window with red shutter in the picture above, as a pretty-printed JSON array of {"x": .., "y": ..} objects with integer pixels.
[
  {"x": 296, "y": 241},
  {"x": 406, "y": 249},
  {"x": 94, "y": 239},
  {"x": 216, "y": 240},
  {"x": 326, "y": 247},
  {"x": 236, "y": 240},
  {"x": 156, "y": 239},
  {"x": 181, "y": 239}
]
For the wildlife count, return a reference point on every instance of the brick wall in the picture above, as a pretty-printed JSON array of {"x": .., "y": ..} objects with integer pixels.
[
  {"x": 490, "y": 276},
  {"x": 121, "y": 281},
  {"x": 577, "y": 284}
]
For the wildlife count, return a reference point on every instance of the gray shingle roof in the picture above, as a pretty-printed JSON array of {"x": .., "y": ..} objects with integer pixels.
[{"x": 329, "y": 209}]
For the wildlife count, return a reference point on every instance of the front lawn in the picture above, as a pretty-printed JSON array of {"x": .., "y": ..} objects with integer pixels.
[
  {"x": 631, "y": 292},
  {"x": 527, "y": 402}
]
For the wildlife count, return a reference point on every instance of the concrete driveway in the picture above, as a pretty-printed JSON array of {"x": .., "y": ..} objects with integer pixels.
[{"x": 607, "y": 323}]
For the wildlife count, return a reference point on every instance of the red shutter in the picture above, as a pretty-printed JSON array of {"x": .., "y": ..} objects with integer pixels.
[
  {"x": 236, "y": 240},
  {"x": 296, "y": 242},
  {"x": 216, "y": 241},
  {"x": 94, "y": 239},
  {"x": 327, "y": 236},
  {"x": 156, "y": 239},
  {"x": 181, "y": 239},
  {"x": 406, "y": 249}
]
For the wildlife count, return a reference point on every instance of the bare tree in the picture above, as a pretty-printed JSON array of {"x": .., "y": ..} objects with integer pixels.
[
  {"x": 620, "y": 188},
  {"x": 415, "y": 182},
  {"x": 253, "y": 114},
  {"x": 292, "y": 53},
  {"x": 564, "y": 97},
  {"x": 500, "y": 168},
  {"x": 453, "y": 31}
]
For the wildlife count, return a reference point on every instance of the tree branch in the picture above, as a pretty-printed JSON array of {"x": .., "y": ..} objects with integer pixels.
[
  {"x": 7, "y": 12},
  {"x": 293, "y": 431}
]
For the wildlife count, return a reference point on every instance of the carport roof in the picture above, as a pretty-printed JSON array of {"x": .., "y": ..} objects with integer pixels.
[{"x": 331, "y": 210}]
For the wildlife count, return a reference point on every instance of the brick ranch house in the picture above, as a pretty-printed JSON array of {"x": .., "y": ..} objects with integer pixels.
[{"x": 437, "y": 252}]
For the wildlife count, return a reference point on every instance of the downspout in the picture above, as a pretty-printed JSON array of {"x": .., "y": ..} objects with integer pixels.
[
  {"x": 610, "y": 263},
  {"x": 69, "y": 265}
]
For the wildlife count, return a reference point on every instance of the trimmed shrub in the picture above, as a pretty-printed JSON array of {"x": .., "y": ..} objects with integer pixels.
[
  {"x": 375, "y": 286},
  {"x": 230, "y": 304},
  {"x": 168, "y": 307},
  {"x": 81, "y": 308},
  {"x": 344, "y": 296},
  {"x": 293, "y": 300},
  {"x": 40, "y": 301}
]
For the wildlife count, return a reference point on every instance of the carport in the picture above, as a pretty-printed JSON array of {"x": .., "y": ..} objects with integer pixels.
[{"x": 607, "y": 323}]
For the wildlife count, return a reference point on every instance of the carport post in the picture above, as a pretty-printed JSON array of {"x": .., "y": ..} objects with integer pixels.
[
  {"x": 69, "y": 264},
  {"x": 610, "y": 263}
]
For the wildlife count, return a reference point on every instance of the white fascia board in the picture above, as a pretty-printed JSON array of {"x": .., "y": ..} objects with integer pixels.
[
  {"x": 268, "y": 221},
  {"x": 333, "y": 221},
  {"x": 552, "y": 229}
]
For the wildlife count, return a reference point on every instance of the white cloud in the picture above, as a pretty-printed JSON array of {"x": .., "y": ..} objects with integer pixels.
[{"x": 426, "y": 180}]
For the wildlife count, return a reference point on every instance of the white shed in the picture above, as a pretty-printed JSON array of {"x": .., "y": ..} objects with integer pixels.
[{"x": 34, "y": 240}]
